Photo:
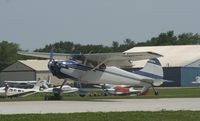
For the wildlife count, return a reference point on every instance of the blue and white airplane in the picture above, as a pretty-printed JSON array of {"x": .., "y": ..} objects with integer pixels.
[{"x": 103, "y": 68}]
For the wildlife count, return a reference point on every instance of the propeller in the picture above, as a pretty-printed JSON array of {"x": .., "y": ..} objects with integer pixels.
[
  {"x": 51, "y": 54},
  {"x": 51, "y": 60}
]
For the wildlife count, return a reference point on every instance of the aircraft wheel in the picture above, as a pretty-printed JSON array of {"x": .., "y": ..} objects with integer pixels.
[
  {"x": 53, "y": 98},
  {"x": 82, "y": 95},
  {"x": 105, "y": 94}
]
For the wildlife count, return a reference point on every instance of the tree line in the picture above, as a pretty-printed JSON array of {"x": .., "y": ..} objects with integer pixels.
[
  {"x": 70, "y": 47},
  {"x": 167, "y": 38},
  {"x": 8, "y": 50}
]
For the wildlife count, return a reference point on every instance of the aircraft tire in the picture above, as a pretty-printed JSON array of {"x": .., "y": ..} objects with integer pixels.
[
  {"x": 82, "y": 95},
  {"x": 53, "y": 98}
]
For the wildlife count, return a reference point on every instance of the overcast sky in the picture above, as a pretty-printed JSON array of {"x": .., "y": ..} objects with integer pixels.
[{"x": 34, "y": 23}]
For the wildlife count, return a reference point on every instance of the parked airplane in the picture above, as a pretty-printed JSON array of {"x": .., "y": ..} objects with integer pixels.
[
  {"x": 15, "y": 92},
  {"x": 118, "y": 89},
  {"x": 197, "y": 80},
  {"x": 66, "y": 89},
  {"x": 103, "y": 68}
]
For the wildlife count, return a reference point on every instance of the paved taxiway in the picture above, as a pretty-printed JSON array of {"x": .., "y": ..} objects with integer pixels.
[{"x": 101, "y": 105}]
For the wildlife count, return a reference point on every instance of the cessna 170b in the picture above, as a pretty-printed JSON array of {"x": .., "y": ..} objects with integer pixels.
[{"x": 103, "y": 68}]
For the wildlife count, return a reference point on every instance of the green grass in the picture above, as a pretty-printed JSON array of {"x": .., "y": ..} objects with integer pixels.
[
  {"x": 110, "y": 116},
  {"x": 163, "y": 93}
]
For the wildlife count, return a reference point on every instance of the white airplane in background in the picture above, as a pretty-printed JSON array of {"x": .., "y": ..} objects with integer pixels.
[
  {"x": 103, "y": 68},
  {"x": 197, "y": 80},
  {"x": 66, "y": 89},
  {"x": 118, "y": 89},
  {"x": 16, "y": 92}
]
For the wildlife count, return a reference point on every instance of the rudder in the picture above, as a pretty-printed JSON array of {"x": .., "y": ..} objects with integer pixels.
[{"x": 152, "y": 69}]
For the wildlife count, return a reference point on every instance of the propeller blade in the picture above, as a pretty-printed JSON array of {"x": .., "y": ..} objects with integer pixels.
[{"x": 51, "y": 54}]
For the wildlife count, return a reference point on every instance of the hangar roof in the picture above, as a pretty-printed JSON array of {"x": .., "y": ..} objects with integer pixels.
[
  {"x": 173, "y": 56},
  {"x": 37, "y": 65}
]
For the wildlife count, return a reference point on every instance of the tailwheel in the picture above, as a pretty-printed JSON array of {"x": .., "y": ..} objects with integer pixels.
[{"x": 155, "y": 91}]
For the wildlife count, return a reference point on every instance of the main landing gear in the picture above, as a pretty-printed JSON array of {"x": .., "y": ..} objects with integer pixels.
[
  {"x": 82, "y": 92},
  {"x": 56, "y": 93}
]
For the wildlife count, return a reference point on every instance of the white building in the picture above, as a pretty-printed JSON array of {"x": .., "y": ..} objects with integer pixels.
[{"x": 27, "y": 70}]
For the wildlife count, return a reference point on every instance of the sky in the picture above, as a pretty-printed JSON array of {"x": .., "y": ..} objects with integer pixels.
[{"x": 34, "y": 23}]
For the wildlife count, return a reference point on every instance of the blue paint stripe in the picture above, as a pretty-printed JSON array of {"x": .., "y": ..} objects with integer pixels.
[
  {"x": 148, "y": 74},
  {"x": 154, "y": 61}
]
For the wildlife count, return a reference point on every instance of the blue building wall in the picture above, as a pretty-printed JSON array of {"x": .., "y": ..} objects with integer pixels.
[
  {"x": 174, "y": 75},
  {"x": 188, "y": 75}
]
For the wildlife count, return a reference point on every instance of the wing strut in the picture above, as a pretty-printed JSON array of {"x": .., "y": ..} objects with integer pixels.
[{"x": 99, "y": 65}]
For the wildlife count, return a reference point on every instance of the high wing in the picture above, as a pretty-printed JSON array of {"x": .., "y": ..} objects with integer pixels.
[
  {"x": 44, "y": 55},
  {"x": 111, "y": 59},
  {"x": 21, "y": 82},
  {"x": 118, "y": 59}
]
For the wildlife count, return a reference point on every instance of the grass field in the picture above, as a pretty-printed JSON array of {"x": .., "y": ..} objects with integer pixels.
[
  {"x": 111, "y": 116},
  {"x": 163, "y": 93}
]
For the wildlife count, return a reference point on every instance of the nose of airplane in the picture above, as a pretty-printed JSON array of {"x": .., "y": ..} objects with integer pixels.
[
  {"x": 53, "y": 67},
  {"x": 50, "y": 64}
]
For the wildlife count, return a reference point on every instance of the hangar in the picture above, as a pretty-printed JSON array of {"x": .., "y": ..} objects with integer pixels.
[
  {"x": 180, "y": 63},
  {"x": 27, "y": 70}
]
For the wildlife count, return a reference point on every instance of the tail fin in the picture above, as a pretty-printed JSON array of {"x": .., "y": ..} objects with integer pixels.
[{"x": 152, "y": 69}]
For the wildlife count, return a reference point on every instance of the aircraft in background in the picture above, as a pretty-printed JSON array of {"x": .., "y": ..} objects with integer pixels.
[
  {"x": 66, "y": 89},
  {"x": 118, "y": 89},
  {"x": 16, "y": 92},
  {"x": 103, "y": 68},
  {"x": 21, "y": 92},
  {"x": 197, "y": 80}
]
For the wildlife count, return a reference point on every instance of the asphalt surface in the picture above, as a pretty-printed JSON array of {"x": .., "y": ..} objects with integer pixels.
[{"x": 107, "y": 105}]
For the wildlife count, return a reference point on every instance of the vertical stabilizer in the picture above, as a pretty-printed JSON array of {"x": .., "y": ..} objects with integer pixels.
[{"x": 152, "y": 69}]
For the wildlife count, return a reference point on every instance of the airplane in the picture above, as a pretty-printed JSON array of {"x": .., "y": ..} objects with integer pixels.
[
  {"x": 16, "y": 92},
  {"x": 21, "y": 84},
  {"x": 66, "y": 89},
  {"x": 197, "y": 80},
  {"x": 103, "y": 68},
  {"x": 118, "y": 89}
]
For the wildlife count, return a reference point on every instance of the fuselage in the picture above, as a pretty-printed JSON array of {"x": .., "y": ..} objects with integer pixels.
[
  {"x": 86, "y": 74},
  {"x": 15, "y": 91}
]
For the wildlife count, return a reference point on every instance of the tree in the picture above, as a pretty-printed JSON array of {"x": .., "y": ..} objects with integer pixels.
[
  {"x": 115, "y": 46},
  {"x": 8, "y": 53},
  {"x": 188, "y": 38},
  {"x": 129, "y": 43}
]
